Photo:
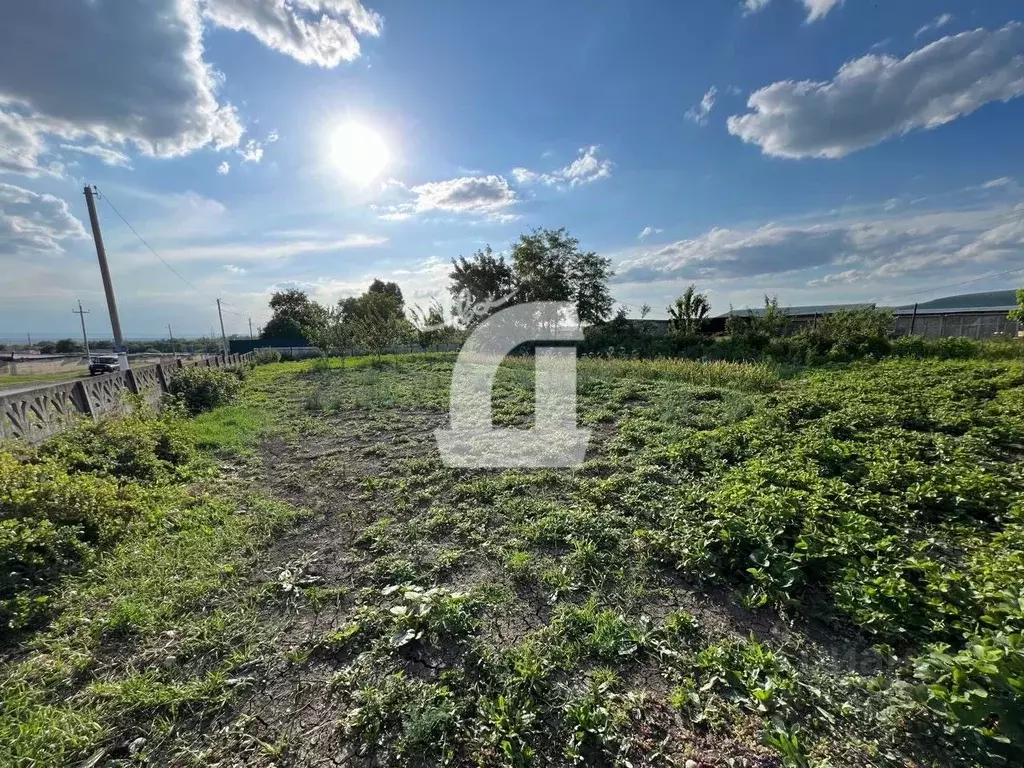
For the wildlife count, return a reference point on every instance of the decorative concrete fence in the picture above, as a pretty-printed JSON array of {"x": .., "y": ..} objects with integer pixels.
[{"x": 35, "y": 414}]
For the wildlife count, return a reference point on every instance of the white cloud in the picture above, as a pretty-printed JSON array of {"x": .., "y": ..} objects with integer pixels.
[
  {"x": 876, "y": 97},
  {"x": 116, "y": 72},
  {"x": 224, "y": 168},
  {"x": 272, "y": 137},
  {"x": 488, "y": 195},
  {"x": 937, "y": 23},
  {"x": 106, "y": 155},
  {"x": 21, "y": 145},
  {"x": 133, "y": 74},
  {"x": 469, "y": 194},
  {"x": 647, "y": 232},
  {"x": 263, "y": 250},
  {"x": 234, "y": 269},
  {"x": 876, "y": 245},
  {"x": 818, "y": 9},
  {"x": 34, "y": 224},
  {"x": 252, "y": 152},
  {"x": 320, "y": 32},
  {"x": 1002, "y": 181},
  {"x": 584, "y": 169},
  {"x": 699, "y": 113},
  {"x": 753, "y": 6}
]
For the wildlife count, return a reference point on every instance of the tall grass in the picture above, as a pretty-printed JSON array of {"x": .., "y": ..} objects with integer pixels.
[{"x": 749, "y": 377}]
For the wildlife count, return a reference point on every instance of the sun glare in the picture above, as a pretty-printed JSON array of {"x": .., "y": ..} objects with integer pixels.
[{"x": 358, "y": 152}]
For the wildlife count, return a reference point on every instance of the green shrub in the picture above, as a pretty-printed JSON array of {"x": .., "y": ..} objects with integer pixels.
[
  {"x": 50, "y": 522},
  {"x": 265, "y": 355},
  {"x": 138, "y": 447},
  {"x": 198, "y": 388}
]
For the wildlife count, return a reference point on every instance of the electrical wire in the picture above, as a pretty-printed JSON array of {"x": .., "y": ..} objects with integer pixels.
[{"x": 152, "y": 250}]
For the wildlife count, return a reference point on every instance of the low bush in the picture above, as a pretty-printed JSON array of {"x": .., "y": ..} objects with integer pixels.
[
  {"x": 198, "y": 388},
  {"x": 63, "y": 503},
  {"x": 265, "y": 355}
]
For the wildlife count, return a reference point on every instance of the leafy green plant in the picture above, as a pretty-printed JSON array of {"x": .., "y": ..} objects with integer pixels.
[
  {"x": 429, "y": 614},
  {"x": 198, "y": 388},
  {"x": 266, "y": 355}
]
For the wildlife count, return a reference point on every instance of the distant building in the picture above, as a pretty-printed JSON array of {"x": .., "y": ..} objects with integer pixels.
[
  {"x": 798, "y": 318},
  {"x": 972, "y": 315}
]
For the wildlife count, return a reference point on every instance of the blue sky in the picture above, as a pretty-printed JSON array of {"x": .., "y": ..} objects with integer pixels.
[{"x": 820, "y": 150}]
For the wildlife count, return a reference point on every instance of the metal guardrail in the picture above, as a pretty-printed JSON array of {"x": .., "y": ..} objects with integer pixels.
[{"x": 33, "y": 415}]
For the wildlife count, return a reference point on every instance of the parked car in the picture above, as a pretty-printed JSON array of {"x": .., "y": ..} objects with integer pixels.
[{"x": 104, "y": 364}]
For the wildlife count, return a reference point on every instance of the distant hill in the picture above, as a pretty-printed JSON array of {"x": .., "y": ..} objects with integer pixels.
[{"x": 970, "y": 301}]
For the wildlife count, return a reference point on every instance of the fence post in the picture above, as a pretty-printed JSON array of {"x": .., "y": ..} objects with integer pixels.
[
  {"x": 913, "y": 320},
  {"x": 161, "y": 377},
  {"x": 83, "y": 393},
  {"x": 130, "y": 380}
]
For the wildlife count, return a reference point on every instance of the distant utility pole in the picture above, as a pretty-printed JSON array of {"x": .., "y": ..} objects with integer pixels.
[
  {"x": 85, "y": 336},
  {"x": 169, "y": 333},
  {"x": 108, "y": 286},
  {"x": 223, "y": 336},
  {"x": 250, "y": 329}
]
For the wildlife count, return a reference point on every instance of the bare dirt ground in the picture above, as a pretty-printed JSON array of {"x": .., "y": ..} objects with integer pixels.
[{"x": 291, "y": 714}]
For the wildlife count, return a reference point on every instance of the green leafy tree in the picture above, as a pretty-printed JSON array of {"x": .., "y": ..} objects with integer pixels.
[
  {"x": 296, "y": 316},
  {"x": 546, "y": 265},
  {"x": 689, "y": 312},
  {"x": 376, "y": 304},
  {"x": 67, "y": 347},
  {"x": 478, "y": 283},
  {"x": 549, "y": 266},
  {"x": 371, "y": 322},
  {"x": 1018, "y": 313}
]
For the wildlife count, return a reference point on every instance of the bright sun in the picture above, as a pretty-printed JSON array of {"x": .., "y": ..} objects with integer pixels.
[{"x": 358, "y": 152}]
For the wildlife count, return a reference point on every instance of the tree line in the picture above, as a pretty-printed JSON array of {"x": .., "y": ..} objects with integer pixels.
[
  {"x": 549, "y": 265},
  {"x": 542, "y": 265}
]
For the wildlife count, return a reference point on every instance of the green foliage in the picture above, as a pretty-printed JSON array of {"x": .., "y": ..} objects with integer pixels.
[
  {"x": 1018, "y": 313},
  {"x": 478, "y": 282},
  {"x": 75, "y": 496},
  {"x": 67, "y": 347},
  {"x": 755, "y": 330},
  {"x": 547, "y": 265},
  {"x": 972, "y": 700},
  {"x": 688, "y": 314},
  {"x": 265, "y": 356},
  {"x": 294, "y": 315},
  {"x": 198, "y": 388}
]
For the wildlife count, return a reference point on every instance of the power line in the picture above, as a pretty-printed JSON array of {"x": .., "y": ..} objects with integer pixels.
[{"x": 151, "y": 248}]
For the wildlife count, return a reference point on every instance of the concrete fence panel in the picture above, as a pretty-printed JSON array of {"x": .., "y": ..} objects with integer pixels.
[{"x": 33, "y": 415}]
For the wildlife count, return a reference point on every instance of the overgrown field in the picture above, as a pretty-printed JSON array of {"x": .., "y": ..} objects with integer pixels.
[{"x": 748, "y": 570}]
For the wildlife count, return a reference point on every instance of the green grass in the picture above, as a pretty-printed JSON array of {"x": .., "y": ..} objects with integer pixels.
[
  {"x": 28, "y": 379},
  {"x": 824, "y": 567}
]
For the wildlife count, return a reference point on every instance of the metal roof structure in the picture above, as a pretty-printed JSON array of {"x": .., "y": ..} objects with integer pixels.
[
  {"x": 809, "y": 311},
  {"x": 954, "y": 310}
]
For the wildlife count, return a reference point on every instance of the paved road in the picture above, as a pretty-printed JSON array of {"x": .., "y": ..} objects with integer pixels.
[{"x": 13, "y": 389}]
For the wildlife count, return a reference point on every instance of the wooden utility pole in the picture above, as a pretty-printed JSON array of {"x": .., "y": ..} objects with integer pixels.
[
  {"x": 913, "y": 320},
  {"x": 223, "y": 336},
  {"x": 85, "y": 336},
  {"x": 171, "y": 335},
  {"x": 250, "y": 329},
  {"x": 108, "y": 285}
]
